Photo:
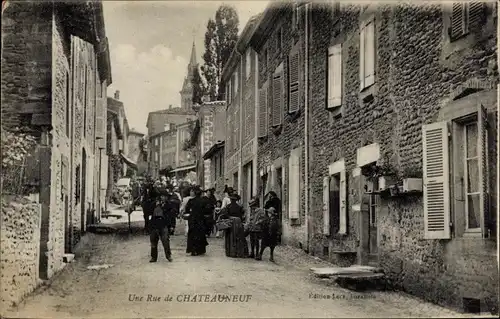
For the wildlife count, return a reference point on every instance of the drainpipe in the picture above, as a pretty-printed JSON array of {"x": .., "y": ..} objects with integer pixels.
[{"x": 306, "y": 124}]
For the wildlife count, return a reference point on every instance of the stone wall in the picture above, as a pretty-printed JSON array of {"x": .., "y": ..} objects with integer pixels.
[
  {"x": 417, "y": 71},
  {"x": 280, "y": 141},
  {"x": 20, "y": 242}
]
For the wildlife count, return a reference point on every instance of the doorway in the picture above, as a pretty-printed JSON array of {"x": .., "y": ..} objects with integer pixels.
[
  {"x": 248, "y": 182},
  {"x": 373, "y": 208},
  {"x": 235, "y": 181},
  {"x": 279, "y": 192},
  {"x": 83, "y": 198}
]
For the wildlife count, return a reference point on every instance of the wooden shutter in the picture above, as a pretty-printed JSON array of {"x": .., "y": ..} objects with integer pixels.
[
  {"x": 343, "y": 203},
  {"x": 294, "y": 185},
  {"x": 277, "y": 99},
  {"x": 362, "y": 57},
  {"x": 436, "y": 181},
  {"x": 263, "y": 111},
  {"x": 293, "y": 81},
  {"x": 475, "y": 11},
  {"x": 457, "y": 20},
  {"x": 104, "y": 170},
  {"x": 334, "y": 76},
  {"x": 482, "y": 148},
  {"x": 326, "y": 205},
  {"x": 370, "y": 53}
]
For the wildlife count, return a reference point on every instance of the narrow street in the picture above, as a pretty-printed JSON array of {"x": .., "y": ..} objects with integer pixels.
[{"x": 263, "y": 289}]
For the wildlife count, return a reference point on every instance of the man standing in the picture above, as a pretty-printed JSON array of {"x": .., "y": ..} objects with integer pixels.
[
  {"x": 147, "y": 202},
  {"x": 161, "y": 223}
]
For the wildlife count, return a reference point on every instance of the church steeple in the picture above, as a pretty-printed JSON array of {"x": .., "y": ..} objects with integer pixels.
[{"x": 192, "y": 60}]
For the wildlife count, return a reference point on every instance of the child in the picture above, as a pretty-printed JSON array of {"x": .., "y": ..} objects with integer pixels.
[
  {"x": 217, "y": 212},
  {"x": 270, "y": 233}
]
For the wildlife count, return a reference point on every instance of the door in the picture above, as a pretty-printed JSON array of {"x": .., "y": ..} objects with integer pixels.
[
  {"x": 373, "y": 218},
  {"x": 67, "y": 226},
  {"x": 235, "y": 182},
  {"x": 83, "y": 199},
  {"x": 279, "y": 192},
  {"x": 334, "y": 203}
]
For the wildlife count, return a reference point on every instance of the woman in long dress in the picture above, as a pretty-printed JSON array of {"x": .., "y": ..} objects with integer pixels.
[
  {"x": 196, "y": 208},
  {"x": 235, "y": 242}
]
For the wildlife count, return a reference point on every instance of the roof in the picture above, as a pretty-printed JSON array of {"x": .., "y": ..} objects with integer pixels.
[
  {"x": 175, "y": 111},
  {"x": 133, "y": 131},
  {"x": 217, "y": 146},
  {"x": 267, "y": 22},
  {"x": 240, "y": 47}
]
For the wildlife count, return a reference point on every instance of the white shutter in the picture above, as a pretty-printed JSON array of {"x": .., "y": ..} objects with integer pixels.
[
  {"x": 482, "y": 147},
  {"x": 104, "y": 171},
  {"x": 343, "y": 204},
  {"x": 370, "y": 53},
  {"x": 362, "y": 57},
  {"x": 293, "y": 185},
  {"x": 326, "y": 206},
  {"x": 436, "y": 181},
  {"x": 335, "y": 76}
]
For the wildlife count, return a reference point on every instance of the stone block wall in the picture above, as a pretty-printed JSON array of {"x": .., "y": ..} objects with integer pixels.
[
  {"x": 20, "y": 242},
  {"x": 417, "y": 70},
  {"x": 279, "y": 142}
]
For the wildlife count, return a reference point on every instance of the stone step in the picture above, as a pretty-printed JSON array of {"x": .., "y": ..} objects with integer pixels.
[
  {"x": 362, "y": 282},
  {"x": 335, "y": 271}
]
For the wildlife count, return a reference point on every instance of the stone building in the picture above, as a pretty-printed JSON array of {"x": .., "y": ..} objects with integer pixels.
[
  {"x": 212, "y": 119},
  {"x": 280, "y": 40},
  {"x": 55, "y": 73},
  {"x": 403, "y": 96},
  {"x": 239, "y": 78}
]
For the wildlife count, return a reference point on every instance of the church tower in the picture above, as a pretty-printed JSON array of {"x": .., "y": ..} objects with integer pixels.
[{"x": 187, "y": 87}]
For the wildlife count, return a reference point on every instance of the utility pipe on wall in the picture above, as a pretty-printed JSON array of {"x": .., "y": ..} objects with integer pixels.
[{"x": 306, "y": 124}]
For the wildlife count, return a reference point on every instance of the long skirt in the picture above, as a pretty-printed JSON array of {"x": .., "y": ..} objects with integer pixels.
[
  {"x": 235, "y": 241},
  {"x": 196, "y": 240}
]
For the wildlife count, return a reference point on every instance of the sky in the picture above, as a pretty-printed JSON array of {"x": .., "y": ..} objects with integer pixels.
[{"x": 150, "y": 45}]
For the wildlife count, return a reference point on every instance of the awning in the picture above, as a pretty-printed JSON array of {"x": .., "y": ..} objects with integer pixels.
[
  {"x": 128, "y": 161},
  {"x": 185, "y": 168},
  {"x": 213, "y": 149}
]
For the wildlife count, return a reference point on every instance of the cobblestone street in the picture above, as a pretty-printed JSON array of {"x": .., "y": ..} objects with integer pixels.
[{"x": 265, "y": 289}]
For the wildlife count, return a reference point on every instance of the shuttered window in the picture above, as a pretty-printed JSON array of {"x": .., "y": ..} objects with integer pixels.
[
  {"x": 294, "y": 184},
  {"x": 367, "y": 54},
  {"x": 482, "y": 146},
  {"x": 263, "y": 115},
  {"x": 293, "y": 80},
  {"x": 436, "y": 181},
  {"x": 465, "y": 18},
  {"x": 277, "y": 111},
  {"x": 334, "y": 76},
  {"x": 248, "y": 64}
]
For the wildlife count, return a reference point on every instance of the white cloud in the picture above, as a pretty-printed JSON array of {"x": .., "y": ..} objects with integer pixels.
[{"x": 147, "y": 81}]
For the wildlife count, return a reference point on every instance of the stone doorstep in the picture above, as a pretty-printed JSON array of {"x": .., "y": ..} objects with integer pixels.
[{"x": 334, "y": 271}]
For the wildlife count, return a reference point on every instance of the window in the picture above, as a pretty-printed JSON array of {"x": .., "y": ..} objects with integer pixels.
[
  {"x": 279, "y": 36},
  {"x": 248, "y": 63},
  {"x": 334, "y": 76},
  {"x": 277, "y": 109},
  {"x": 265, "y": 59},
  {"x": 263, "y": 115},
  {"x": 471, "y": 169},
  {"x": 334, "y": 200},
  {"x": 156, "y": 157},
  {"x": 467, "y": 192},
  {"x": 293, "y": 80},
  {"x": 236, "y": 87},
  {"x": 156, "y": 142},
  {"x": 367, "y": 54},
  {"x": 77, "y": 185},
  {"x": 465, "y": 17}
]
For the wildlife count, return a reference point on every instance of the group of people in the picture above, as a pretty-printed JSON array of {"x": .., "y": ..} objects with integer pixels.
[
  {"x": 261, "y": 225},
  {"x": 163, "y": 203}
]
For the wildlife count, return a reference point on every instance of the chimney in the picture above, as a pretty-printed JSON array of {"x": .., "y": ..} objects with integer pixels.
[
  {"x": 170, "y": 107},
  {"x": 117, "y": 95}
]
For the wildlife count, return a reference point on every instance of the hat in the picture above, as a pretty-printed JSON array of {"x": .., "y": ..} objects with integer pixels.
[
  {"x": 234, "y": 196},
  {"x": 254, "y": 202}
]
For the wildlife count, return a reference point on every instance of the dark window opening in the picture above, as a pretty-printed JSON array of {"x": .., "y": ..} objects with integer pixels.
[{"x": 334, "y": 203}]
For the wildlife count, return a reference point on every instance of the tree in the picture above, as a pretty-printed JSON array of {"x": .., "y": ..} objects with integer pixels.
[
  {"x": 220, "y": 39},
  {"x": 199, "y": 86}
]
